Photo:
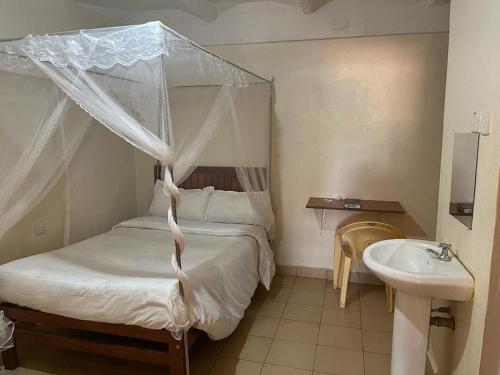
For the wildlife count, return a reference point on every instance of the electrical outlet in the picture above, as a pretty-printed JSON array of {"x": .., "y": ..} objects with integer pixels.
[
  {"x": 39, "y": 229},
  {"x": 481, "y": 122},
  {"x": 474, "y": 124},
  {"x": 484, "y": 123}
]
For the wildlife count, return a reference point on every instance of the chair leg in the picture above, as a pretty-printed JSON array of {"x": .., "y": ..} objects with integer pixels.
[
  {"x": 341, "y": 269},
  {"x": 337, "y": 256},
  {"x": 345, "y": 280},
  {"x": 390, "y": 298}
]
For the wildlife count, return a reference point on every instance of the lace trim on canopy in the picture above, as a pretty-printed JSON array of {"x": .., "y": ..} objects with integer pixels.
[
  {"x": 13, "y": 63},
  {"x": 102, "y": 49},
  {"x": 105, "y": 48}
]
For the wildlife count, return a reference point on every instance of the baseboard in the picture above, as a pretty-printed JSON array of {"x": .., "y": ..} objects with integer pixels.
[{"x": 324, "y": 273}]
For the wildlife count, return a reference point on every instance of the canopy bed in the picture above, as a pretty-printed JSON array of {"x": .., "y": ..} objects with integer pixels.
[{"x": 205, "y": 121}]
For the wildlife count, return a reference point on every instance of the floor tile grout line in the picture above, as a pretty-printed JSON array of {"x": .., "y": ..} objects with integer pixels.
[
  {"x": 316, "y": 343},
  {"x": 294, "y": 368},
  {"x": 305, "y": 304},
  {"x": 310, "y": 343},
  {"x": 319, "y": 324},
  {"x": 297, "y": 368},
  {"x": 238, "y": 359},
  {"x": 289, "y": 294},
  {"x": 279, "y": 323},
  {"x": 362, "y": 336},
  {"x": 284, "y": 309},
  {"x": 319, "y": 330},
  {"x": 211, "y": 367},
  {"x": 298, "y": 342},
  {"x": 372, "y": 352}
]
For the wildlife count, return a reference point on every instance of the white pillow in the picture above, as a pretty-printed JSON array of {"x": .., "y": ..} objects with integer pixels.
[
  {"x": 241, "y": 208},
  {"x": 193, "y": 202}
]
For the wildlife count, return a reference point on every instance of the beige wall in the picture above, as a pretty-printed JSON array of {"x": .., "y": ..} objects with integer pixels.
[
  {"x": 473, "y": 83},
  {"x": 102, "y": 193},
  {"x": 232, "y": 21},
  {"x": 490, "y": 360},
  {"x": 98, "y": 162},
  {"x": 103, "y": 188},
  {"x": 239, "y": 140},
  {"x": 190, "y": 108},
  {"x": 360, "y": 117},
  {"x": 20, "y": 241}
]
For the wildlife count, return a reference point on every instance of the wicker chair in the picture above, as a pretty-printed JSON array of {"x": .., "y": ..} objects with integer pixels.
[{"x": 350, "y": 242}]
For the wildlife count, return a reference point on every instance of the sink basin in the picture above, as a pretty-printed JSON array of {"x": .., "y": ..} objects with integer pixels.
[
  {"x": 417, "y": 277},
  {"x": 406, "y": 266}
]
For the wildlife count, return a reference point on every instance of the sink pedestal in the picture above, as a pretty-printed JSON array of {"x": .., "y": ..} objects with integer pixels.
[
  {"x": 411, "y": 329},
  {"x": 417, "y": 276}
]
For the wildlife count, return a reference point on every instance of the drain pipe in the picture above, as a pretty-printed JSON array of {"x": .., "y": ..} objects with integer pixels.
[{"x": 441, "y": 321}]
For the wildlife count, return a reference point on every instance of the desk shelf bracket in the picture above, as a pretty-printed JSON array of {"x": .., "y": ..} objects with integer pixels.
[{"x": 323, "y": 211}]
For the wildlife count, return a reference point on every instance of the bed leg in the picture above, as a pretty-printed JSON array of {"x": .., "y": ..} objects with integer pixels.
[
  {"x": 180, "y": 362},
  {"x": 9, "y": 358}
]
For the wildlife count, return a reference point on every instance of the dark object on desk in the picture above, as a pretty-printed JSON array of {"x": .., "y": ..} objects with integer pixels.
[
  {"x": 366, "y": 205},
  {"x": 457, "y": 211},
  {"x": 466, "y": 208},
  {"x": 352, "y": 203}
]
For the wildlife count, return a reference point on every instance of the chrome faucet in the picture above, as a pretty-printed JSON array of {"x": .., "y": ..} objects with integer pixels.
[{"x": 445, "y": 252}]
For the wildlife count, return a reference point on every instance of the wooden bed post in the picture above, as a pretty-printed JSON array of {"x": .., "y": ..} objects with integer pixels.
[
  {"x": 9, "y": 358},
  {"x": 180, "y": 357},
  {"x": 181, "y": 361}
]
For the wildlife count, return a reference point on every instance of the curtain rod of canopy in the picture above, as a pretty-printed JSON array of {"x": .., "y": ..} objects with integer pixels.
[
  {"x": 170, "y": 30},
  {"x": 134, "y": 81},
  {"x": 90, "y": 71}
]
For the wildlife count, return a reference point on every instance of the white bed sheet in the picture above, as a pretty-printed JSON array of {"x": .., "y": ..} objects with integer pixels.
[{"x": 124, "y": 275}]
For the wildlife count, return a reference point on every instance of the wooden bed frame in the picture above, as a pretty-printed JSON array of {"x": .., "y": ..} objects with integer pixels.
[
  {"x": 134, "y": 343},
  {"x": 115, "y": 340},
  {"x": 221, "y": 178}
]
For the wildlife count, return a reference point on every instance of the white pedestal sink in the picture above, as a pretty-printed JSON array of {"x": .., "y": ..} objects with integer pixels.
[{"x": 417, "y": 277}]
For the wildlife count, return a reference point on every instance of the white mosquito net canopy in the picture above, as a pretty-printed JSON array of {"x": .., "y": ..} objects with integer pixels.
[{"x": 177, "y": 103}]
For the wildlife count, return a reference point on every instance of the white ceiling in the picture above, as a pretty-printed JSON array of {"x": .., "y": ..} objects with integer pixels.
[
  {"x": 207, "y": 10},
  {"x": 212, "y": 22}
]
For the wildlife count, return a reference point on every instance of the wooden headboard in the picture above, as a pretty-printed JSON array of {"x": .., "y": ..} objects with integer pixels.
[{"x": 221, "y": 178}]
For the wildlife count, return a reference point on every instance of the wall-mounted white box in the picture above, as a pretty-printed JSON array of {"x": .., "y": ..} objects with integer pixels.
[
  {"x": 39, "y": 229},
  {"x": 481, "y": 122}
]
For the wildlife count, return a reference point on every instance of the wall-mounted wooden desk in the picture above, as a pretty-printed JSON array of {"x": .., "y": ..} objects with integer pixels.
[{"x": 324, "y": 204}]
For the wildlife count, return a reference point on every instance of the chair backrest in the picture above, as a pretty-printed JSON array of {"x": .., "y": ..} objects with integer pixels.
[{"x": 359, "y": 236}]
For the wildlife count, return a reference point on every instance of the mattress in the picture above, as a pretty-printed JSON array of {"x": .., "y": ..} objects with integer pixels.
[{"x": 124, "y": 276}]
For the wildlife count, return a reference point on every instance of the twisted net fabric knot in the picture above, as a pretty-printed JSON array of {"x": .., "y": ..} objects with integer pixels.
[{"x": 182, "y": 310}]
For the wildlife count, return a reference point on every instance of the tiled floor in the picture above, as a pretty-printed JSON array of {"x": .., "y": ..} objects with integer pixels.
[
  {"x": 298, "y": 328},
  {"x": 295, "y": 329}
]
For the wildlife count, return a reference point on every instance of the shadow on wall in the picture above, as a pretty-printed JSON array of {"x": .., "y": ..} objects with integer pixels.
[
  {"x": 20, "y": 241},
  {"x": 462, "y": 311},
  {"x": 102, "y": 194},
  {"x": 490, "y": 360},
  {"x": 276, "y": 135},
  {"x": 372, "y": 153}
]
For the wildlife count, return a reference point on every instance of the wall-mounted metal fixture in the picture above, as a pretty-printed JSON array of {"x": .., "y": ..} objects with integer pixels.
[
  {"x": 443, "y": 321},
  {"x": 442, "y": 309},
  {"x": 463, "y": 179}
]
